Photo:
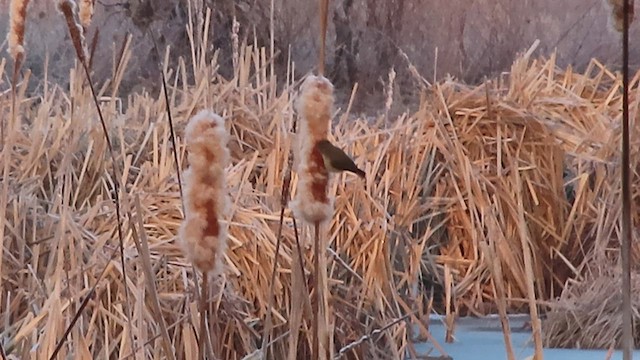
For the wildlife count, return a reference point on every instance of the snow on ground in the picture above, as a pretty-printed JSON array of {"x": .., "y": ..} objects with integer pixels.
[{"x": 481, "y": 338}]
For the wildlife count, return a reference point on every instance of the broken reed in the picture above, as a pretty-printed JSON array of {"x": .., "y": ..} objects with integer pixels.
[{"x": 312, "y": 202}]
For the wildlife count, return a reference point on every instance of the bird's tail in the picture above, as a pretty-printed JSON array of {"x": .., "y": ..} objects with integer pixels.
[{"x": 360, "y": 173}]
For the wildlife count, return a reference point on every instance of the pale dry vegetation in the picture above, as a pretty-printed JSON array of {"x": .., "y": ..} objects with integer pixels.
[{"x": 466, "y": 194}]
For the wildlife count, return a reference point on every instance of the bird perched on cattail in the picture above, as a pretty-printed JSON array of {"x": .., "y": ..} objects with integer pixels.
[{"x": 335, "y": 160}]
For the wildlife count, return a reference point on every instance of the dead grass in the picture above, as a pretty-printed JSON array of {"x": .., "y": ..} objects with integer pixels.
[
  {"x": 441, "y": 182},
  {"x": 588, "y": 314}
]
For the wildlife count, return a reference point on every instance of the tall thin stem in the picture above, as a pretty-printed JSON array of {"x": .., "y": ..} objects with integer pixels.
[
  {"x": 204, "y": 311},
  {"x": 318, "y": 297},
  {"x": 324, "y": 10},
  {"x": 625, "y": 251}
]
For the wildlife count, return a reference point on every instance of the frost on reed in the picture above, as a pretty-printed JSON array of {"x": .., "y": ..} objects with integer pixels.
[
  {"x": 15, "y": 37},
  {"x": 617, "y": 13},
  {"x": 206, "y": 201},
  {"x": 314, "y": 105},
  {"x": 69, "y": 10}
]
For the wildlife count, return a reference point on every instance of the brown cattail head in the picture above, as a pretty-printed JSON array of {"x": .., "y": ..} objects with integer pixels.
[
  {"x": 314, "y": 105},
  {"x": 69, "y": 10},
  {"x": 204, "y": 239},
  {"x": 86, "y": 13},
  {"x": 15, "y": 37},
  {"x": 617, "y": 13}
]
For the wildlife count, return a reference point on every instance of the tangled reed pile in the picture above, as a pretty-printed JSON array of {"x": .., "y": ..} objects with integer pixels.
[{"x": 472, "y": 178}]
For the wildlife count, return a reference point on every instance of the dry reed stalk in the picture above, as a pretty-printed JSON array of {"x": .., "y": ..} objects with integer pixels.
[
  {"x": 297, "y": 310},
  {"x": 626, "y": 221},
  {"x": 527, "y": 254},
  {"x": 626, "y": 243},
  {"x": 143, "y": 247},
  {"x": 450, "y": 316},
  {"x": 323, "y": 13},
  {"x": 165, "y": 92}
]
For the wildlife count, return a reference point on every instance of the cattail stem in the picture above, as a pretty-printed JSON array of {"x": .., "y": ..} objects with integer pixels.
[
  {"x": 268, "y": 323},
  {"x": 169, "y": 117},
  {"x": 318, "y": 296},
  {"x": 203, "y": 343},
  {"x": 284, "y": 201},
  {"x": 324, "y": 10},
  {"x": 67, "y": 8},
  {"x": 495, "y": 268},
  {"x": 625, "y": 250}
]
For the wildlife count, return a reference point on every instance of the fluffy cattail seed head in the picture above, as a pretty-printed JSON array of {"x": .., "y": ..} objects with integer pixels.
[
  {"x": 15, "y": 37},
  {"x": 203, "y": 236},
  {"x": 69, "y": 11},
  {"x": 312, "y": 202}
]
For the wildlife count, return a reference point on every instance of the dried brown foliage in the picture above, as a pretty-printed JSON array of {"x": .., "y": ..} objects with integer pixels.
[{"x": 442, "y": 181}]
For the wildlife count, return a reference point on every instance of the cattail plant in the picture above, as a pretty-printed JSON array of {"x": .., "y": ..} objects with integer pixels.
[
  {"x": 203, "y": 236},
  {"x": 312, "y": 202},
  {"x": 68, "y": 8},
  {"x": 15, "y": 37}
]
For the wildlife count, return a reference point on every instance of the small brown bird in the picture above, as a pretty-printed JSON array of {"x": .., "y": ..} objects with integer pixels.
[{"x": 335, "y": 160}]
